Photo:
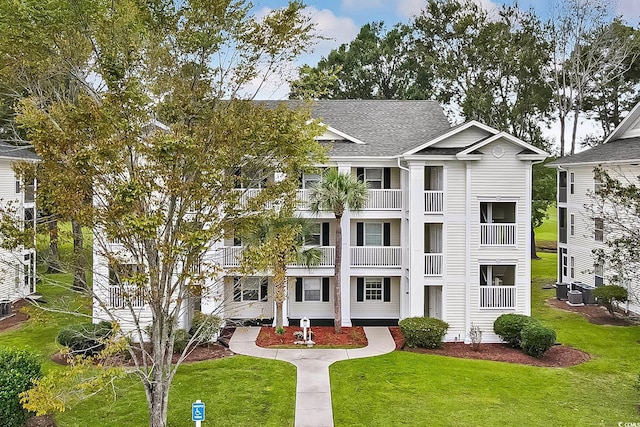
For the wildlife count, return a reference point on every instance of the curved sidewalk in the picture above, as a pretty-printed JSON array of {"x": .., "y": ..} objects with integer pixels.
[{"x": 313, "y": 390}]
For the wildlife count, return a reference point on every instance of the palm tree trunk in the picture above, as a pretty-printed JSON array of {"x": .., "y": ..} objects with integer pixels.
[{"x": 337, "y": 282}]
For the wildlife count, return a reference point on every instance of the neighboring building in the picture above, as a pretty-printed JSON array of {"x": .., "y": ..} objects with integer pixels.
[
  {"x": 17, "y": 267},
  {"x": 445, "y": 233},
  {"x": 578, "y": 232}
]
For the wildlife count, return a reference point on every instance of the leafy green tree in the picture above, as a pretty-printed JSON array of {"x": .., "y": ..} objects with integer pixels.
[
  {"x": 337, "y": 192},
  {"x": 165, "y": 191},
  {"x": 274, "y": 243},
  {"x": 377, "y": 64}
]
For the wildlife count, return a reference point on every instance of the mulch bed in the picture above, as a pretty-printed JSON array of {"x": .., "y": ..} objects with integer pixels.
[
  {"x": 322, "y": 335},
  {"x": 595, "y": 314},
  {"x": 557, "y": 356},
  {"x": 17, "y": 317}
]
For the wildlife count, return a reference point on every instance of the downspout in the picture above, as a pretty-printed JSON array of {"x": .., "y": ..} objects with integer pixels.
[{"x": 467, "y": 320}]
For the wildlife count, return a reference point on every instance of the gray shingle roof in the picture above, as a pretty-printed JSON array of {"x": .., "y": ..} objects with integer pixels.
[
  {"x": 387, "y": 127},
  {"x": 616, "y": 150},
  {"x": 17, "y": 152}
]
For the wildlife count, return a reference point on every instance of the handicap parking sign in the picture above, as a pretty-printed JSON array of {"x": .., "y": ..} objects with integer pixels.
[{"x": 197, "y": 411}]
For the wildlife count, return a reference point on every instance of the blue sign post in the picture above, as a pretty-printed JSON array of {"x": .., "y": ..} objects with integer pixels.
[{"x": 197, "y": 412}]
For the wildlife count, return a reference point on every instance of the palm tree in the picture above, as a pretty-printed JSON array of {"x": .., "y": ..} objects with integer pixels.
[
  {"x": 274, "y": 243},
  {"x": 337, "y": 192}
]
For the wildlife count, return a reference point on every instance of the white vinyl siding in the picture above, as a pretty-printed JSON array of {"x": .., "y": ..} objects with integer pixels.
[{"x": 376, "y": 309}]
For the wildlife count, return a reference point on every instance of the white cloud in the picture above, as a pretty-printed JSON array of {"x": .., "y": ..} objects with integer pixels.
[
  {"x": 409, "y": 8},
  {"x": 361, "y": 4},
  {"x": 337, "y": 30}
]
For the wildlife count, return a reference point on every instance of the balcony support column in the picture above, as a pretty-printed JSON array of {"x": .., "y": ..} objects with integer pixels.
[{"x": 415, "y": 238}]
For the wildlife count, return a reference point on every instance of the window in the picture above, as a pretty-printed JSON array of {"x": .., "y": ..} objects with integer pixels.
[
  {"x": 598, "y": 273},
  {"x": 597, "y": 185},
  {"x": 29, "y": 217},
  {"x": 314, "y": 238},
  {"x": 373, "y": 234},
  {"x": 562, "y": 225},
  {"x": 562, "y": 186},
  {"x": 125, "y": 290},
  {"x": 572, "y": 225},
  {"x": 250, "y": 289},
  {"x": 17, "y": 186},
  {"x": 373, "y": 177},
  {"x": 310, "y": 179},
  {"x": 248, "y": 177},
  {"x": 312, "y": 289},
  {"x": 573, "y": 267},
  {"x": 498, "y": 212},
  {"x": 571, "y": 182},
  {"x": 373, "y": 289},
  {"x": 598, "y": 225}
]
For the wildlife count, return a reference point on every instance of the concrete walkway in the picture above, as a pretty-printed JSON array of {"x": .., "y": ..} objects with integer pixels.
[{"x": 313, "y": 390}]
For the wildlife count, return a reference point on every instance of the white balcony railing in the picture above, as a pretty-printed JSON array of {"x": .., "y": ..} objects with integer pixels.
[
  {"x": 376, "y": 256},
  {"x": 250, "y": 193},
  {"x": 376, "y": 199},
  {"x": 433, "y": 201},
  {"x": 497, "y": 297},
  {"x": 327, "y": 257},
  {"x": 231, "y": 256},
  {"x": 384, "y": 199},
  {"x": 433, "y": 264},
  {"x": 303, "y": 199},
  {"x": 497, "y": 234}
]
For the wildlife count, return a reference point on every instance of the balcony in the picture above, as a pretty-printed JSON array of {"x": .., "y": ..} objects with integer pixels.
[
  {"x": 376, "y": 200},
  {"x": 384, "y": 200},
  {"x": 498, "y": 297},
  {"x": 498, "y": 234},
  {"x": 232, "y": 255},
  {"x": 433, "y": 201},
  {"x": 250, "y": 193},
  {"x": 376, "y": 256},
  {"x": 433, "y": 264},
  {"x": 327, "y": 257}
]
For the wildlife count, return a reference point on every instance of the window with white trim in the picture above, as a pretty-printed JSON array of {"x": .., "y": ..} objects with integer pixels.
[
  {"x": 373, "y": 289},
  {"x": 571, "y": 182},
  {"x": 314, "y": 238},
  {"x": 250, "y": 289},
  {"x": 598, "y": 225},
  {"x": 373, "y": 233},
  {"x": 312, "y": 289},
  {"x": 373, "y": 178},
  {"x": 309, "y": 180},
  {"x": 497, "y": 275},
  {"x": 572, "y": 225},
  {"x": 597, "y": 185},
  {"x": 573, "y": 267}
]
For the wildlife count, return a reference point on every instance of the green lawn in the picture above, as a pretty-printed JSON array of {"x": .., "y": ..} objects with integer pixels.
[
  {"x": 413, "y": 389},
  {"x": 395, "y": 389},
  {"x": 548, "y": 231}
]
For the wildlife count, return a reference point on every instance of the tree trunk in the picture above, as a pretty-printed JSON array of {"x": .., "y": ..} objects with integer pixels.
[
  {"x": 279, "y": 285},
  {"x": 561, "y": 119},
  {"x": 278, "y": 314},
  {"x": 574, "y": 131},
  {"x": 53, "y": 263},
  {"x": 79, "y": 263},
  {"x": 337, "y": 282},
  {"x": 534, "y": 254}
]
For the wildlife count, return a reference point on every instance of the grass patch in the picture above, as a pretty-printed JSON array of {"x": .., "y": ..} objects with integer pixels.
[
  {"x": 238, "y": 391},
  {"x": 547, "y": 233},
  {"x": 416, "y": 389}
]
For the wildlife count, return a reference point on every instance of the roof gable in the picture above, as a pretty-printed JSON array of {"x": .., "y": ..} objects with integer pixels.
[
  {"x": 332, "y": 134},
  {"x": 529, "y": 152},
  {"x": 629, "y": 127},
  {"x": 457, "y": 137}
]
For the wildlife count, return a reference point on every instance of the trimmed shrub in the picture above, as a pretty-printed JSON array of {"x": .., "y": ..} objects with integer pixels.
[
  {"x": 86, "y": 338},
  {"x": 509, "y": 326},
  {"x": 181, "y": 340},
  {"x": 208, "y": 324},
  {"x": 424, "y": 332},
  {"x": 537, "y": 339},
  {"x": 17, "y": 369},
  {"x": 609, "y": 295}
]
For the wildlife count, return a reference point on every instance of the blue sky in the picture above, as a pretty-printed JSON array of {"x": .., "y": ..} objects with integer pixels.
[{"x": 340, "y": 21}]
